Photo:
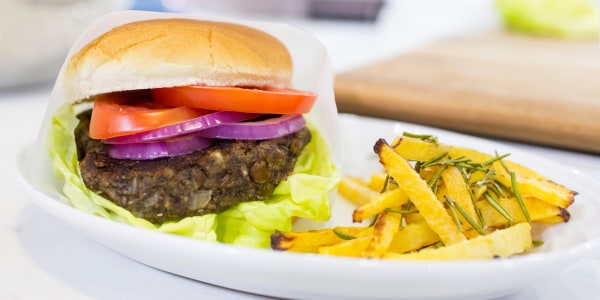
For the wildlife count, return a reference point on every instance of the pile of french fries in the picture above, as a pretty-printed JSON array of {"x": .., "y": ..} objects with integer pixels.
[{"x": 438, "y": 202}]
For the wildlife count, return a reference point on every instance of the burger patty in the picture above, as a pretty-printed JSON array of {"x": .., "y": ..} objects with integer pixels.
[{"x": 206, "y": 181}]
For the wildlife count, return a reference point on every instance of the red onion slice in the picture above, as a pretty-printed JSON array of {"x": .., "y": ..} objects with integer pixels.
[
  {"x": 165, "y": 148},
  {"x": 258, "y": 130},
  {"x": 193, "y": 125}
]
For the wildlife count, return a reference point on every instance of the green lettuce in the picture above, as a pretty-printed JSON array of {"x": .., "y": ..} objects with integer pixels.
[
  {"x": 305, "y": 193},
  {"x": 569, "y": 19}
]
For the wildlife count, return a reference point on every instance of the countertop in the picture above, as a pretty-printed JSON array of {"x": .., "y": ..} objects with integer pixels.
[{"x": 41, "y": 258}]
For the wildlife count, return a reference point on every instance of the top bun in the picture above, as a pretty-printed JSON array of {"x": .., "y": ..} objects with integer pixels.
[{"x": 177, "y": 52}]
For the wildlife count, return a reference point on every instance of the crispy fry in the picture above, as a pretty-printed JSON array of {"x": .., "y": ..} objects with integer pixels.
[
  {"x": 412, "y": 237},
  {"x": 520, "y": 170},
  {"x": 347, "y": 248},
  {"x": 537, "y": 210},
  {"x": 389, "y": 199},
  {"x": 429, "y": 173},
  {"x": 458, "y": 190},
  {"x": 474, "y": 155},
  {"x": 387, "y": 225},
  {"x": 418, "y": 149},
  {"x": 414, "y": 218},
  {"x": 378, "y": 181},
  {"x": 500, "y": 243},
  {"x": 356, "y": 190},
  {"x": 545, "y": 190},
  {"x": 564, "y": 217},
  {"x": 309, "y": 241},
  {"x": 453, "y": 203},
  {"x": 420, "y": 194}
]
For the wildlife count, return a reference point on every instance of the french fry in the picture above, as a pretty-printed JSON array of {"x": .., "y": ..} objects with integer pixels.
[
  {"x": 544, "y": 190},
  {"x": 417, "y": 149},
  {"x": 412, "y": 237},
  {"x": 473, "y": 155},
  {"x": 389, "y": 199},
  {"x": 500, "y": 243},
  {"x": 379, "y": 180},
  {"x": 565, "y": 216},
  {"x": 386, "y": 226},
  {"x": 457, "y": 189},
  {"x": 309, "y": 241},
  {"x": 520, "y": 170},
  {"x": 414, "y": 218},
  {"x": 356, "y": 190},
  {"x": 420, "y": 194},
  {"x": 352, "y": 247},
  {"x": 454, "y": 203},
  {"x": 537, "y": 209}
]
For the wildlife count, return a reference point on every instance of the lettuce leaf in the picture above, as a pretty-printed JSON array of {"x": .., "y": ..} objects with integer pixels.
[
  {"x": 569, "y": 19},
  {"x": 305, "y": 193}
]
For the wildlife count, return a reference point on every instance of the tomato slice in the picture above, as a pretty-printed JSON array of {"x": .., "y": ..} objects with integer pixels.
[
  {"x": 125, "y": 113},
  {"x": 265, "y": 101}
]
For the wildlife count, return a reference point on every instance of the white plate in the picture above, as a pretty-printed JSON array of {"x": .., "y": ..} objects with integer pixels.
[{"x": 292, "y": 275}]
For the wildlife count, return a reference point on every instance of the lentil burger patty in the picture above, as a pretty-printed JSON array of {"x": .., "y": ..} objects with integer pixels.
[{"x": 206, "y": 181}]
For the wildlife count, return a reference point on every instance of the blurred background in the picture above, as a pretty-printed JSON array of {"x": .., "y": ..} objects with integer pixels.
[
  {"x": 421, "y": 57},
  {"x": 36, "y": 34}
]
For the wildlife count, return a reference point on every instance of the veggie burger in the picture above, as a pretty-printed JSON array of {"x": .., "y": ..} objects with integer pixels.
[{"x": 190, "y": 127}]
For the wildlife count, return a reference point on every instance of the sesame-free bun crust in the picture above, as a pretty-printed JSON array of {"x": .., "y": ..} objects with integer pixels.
[{"x": 176, "y": 52}]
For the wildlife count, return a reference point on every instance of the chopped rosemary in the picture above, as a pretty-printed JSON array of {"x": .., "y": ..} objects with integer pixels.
[
  {"x": 513, "y": 181},
  {"x": 487, "y": 178},
  {"x": 537, "y": 243},
  {"x": 425, "y": 137},
  {"x": 439, "y": 244},
  {"x": 466, "y": 178},
  {"x": 433, "y": 182},
  {"x": 496, "y": 188},
  {"x": 494, "y": 159},
  {"x": 386, "y": 182},
  {"x": 418, "y": 166},
  {"x": 401, "y": 211},
  {"x": 343, "y": 235},
  {"x": 465, "y": 215},
  {"x": 498, "y": 207},
  {"x": 455, "y": 216},
  {"x": 434, "y": 161}
]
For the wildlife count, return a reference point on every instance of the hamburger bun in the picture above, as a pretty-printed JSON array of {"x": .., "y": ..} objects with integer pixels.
[{"x": 177, "y": 52}]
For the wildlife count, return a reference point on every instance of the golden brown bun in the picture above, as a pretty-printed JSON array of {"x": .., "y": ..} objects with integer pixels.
[{"x": 177, "y": 52}]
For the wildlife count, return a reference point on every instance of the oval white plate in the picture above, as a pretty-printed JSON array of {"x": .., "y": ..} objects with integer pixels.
[{"x": 292, "y": 275}]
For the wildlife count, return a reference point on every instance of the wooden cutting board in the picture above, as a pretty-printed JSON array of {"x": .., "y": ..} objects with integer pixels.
[{"x": 534, "y": 90}]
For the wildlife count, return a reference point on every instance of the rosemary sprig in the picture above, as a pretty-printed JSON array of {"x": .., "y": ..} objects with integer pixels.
[
  {"x": 386, "y": 182},
  {"x": 434, "y": 161},
  {"x": 418, "y": 166},
  {"x": 439, "y": 244},
  {"x": 494, "y": 159},
  {"x": 537, "y": 243},
  {"x": 433, "y": 182},
  {"x": 513, "y": 180},
  {"x": 497, "y": 189},
  {"x": 487, "y": 178},
  {"x": 425, "y": 137},
  {"x": 465, "y": 215},
  {"x": 455, "y": 216},
  {"x": 466, "y": 177},
  {"x": 343, "y": 235},
  {"x": 498, "y": 207},
  {"x": 515, "y": 189},
  {"x": 402, "y": 211}
]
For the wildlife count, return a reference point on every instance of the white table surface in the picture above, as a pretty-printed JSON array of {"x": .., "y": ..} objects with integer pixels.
[{"x": 41, "y": 258}]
